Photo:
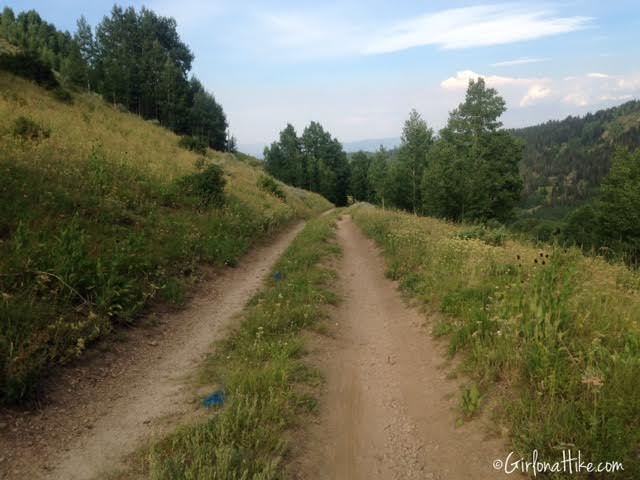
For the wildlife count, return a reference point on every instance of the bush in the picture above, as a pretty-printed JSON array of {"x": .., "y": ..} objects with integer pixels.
[
  {"x": 195, "y": 144},
  {"x": 27, "y": 129},
  {"x": 28, "y": 65},
  {"x": 62, "y": 95},
  {"x": 269, "y": 185},
  {"x": 491, "y": 236},
  {"x": 207, "y": 185}
]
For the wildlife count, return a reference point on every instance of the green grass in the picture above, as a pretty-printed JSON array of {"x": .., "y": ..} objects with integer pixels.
[
  {"x": 263, "y": 373},
  {"x": 554, "y": 336},
  {"x": 104, "y": 216}
]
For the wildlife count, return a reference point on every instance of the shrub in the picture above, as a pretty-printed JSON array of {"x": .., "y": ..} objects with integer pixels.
[
  {"x": 195, "y": 144},
  {"x": 491, "y": 236},
  {"x": 207, "y": 185},
  {"x": 27, "y": 129},
  {"x": 28, "y": 65},
  {"x": 62, "y": 95},
  {"x": 269, "y": 185}
]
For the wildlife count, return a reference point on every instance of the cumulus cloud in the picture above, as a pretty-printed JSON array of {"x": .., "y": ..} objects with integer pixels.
[
  {"x": 575, "y": 91},
  {"x": 578, "y": 99},
  {"x": 594, "y": 88},
  {"x": 536, "y": 92},
  {"x": 526, "y": 91},
  {"x": 461, "y": 80}
]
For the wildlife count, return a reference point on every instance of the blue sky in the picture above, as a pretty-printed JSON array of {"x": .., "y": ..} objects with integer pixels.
[{"x": 358, "y": 67}]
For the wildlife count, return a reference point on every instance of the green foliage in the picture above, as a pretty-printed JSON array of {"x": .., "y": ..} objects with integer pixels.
[
  {"x": 194, "y": 144},
  {"x": 417, "y": 139},
  {"x": 611, "y": 223},
  {"x": 27, "y": 129},
  {"x": 266, "y": 382},
  {"x": 315, "y": 162},
  {"x": 92, "y": 243},
  {"x": 470, "y": 401},
  {"x": 491, "y": 236},
  {"x": 618, "y": 205},
  {"x": 207, "y": 186},
  {"x": 62, "y": 95},
  {"x": 565, "y": 161},
  {"x": 268, "y": 184},
  {"x": 359, "y": 183},
  {"x": 28, "y": 65},
  {"x": 473, "y": 174}
]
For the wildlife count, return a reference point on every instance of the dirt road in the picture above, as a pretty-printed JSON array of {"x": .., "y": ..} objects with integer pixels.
[
  {"x": 94, "y": 419},
  {"x": 389, "y": 410}
]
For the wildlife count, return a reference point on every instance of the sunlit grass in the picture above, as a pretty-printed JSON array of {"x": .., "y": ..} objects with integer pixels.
[
  {"x": 94, "y": 226},
  {"x": 559, "y": 332}
]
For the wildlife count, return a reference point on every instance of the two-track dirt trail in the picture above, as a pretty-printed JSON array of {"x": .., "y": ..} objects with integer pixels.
[
  {"x": 388, "y": 410},
  {"x": 89, "y": 428}
]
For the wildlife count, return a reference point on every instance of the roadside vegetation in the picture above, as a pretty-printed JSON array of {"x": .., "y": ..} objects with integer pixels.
[
  {"x": 101, "y": 215},
  {"x": 260, "y": 367},
  {"x": 552, "y": 335}
]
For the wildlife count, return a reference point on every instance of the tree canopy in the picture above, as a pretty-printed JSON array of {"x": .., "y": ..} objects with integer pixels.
[{"x": 315, "y": 161}]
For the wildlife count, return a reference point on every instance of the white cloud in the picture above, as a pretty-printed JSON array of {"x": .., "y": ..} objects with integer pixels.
[
  {"x": 576, "y": 91},
  {"x": 597, "y": 75},
  {"x": 536, "y": 92},
  {"x": 320, "y": 33},
  {"x": 577, "y": 98},
  {"x": 474, "y": 27},
  {"x": 594, "y": 88},
  {"x": 524, "y": 91},
  {"x": 461, "y": 80},
  {"x": 518, "y": 61}
]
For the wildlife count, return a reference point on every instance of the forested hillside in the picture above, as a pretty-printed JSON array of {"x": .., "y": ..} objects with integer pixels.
[
  {"x": 134, "y": 59},
  {"x": 565, "y": 161}
]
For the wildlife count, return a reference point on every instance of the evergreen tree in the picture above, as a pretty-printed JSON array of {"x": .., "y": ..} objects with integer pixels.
[
  {"x": 417, "y": 139},
  {"x": 618, "y": 206},
  {"x": 359, "y": 184},
  {"x": 474, "y": 169},
  {"x": 84, "y": 40},
  {"x": 378, "y": 176}
]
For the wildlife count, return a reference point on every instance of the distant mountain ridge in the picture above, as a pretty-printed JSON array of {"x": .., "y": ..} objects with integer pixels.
[
  {"x": 371, "y": 145},
  {"x": 367, "y": 145}
]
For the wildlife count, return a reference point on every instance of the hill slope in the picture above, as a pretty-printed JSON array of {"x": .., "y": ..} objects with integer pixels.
[
  {"x": 101, "y": 214},
  {"x": 565, "y": 161}
]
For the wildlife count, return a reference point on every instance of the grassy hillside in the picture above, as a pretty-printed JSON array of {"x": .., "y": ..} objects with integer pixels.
[
  {"x": 101, "y": 214},
  {"x": 551, "y": 335}
]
